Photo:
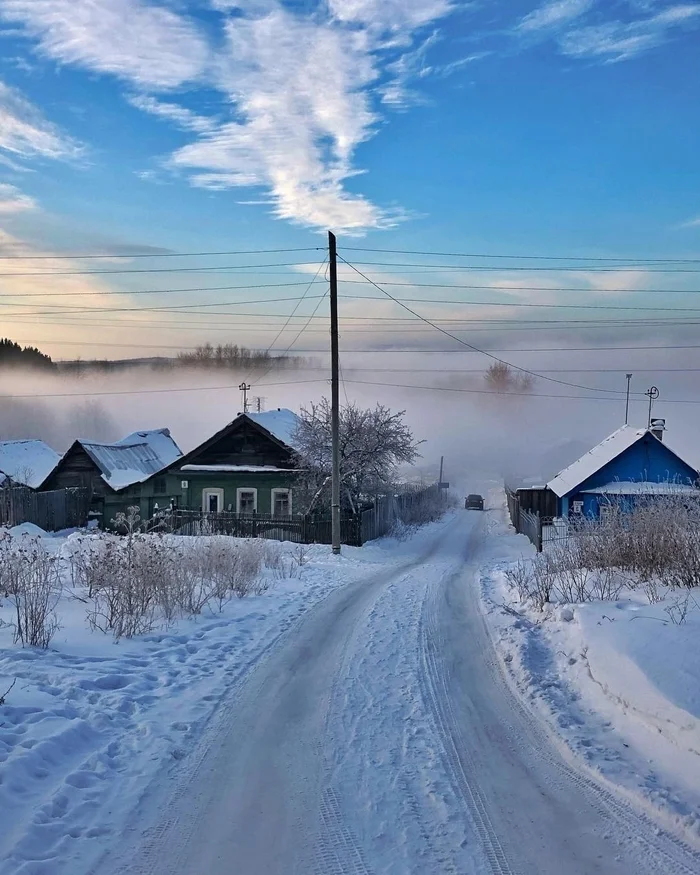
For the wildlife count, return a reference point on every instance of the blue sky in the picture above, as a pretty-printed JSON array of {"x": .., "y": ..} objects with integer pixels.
[{"x": 560, "y": 128}]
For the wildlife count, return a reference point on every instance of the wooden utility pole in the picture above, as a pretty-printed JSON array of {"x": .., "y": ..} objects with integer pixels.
[
  {"x": 335, "y": 397},
  {"x": 245, "y": 388},
  {"x": 627, "y": 403}
]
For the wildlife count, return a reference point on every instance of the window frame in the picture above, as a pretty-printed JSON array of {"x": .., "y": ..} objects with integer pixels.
[
  {"x": 242, "y": 489},
  {"x": 280, "y": 490}
]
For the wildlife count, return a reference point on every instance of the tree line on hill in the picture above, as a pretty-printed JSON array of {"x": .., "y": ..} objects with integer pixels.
[{"x": 14, "y": 355}]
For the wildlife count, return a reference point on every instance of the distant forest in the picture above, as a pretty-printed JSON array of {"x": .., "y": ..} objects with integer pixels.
[
  {"x": 221, "y": 357},
  {"x": 14, "y": 355}
]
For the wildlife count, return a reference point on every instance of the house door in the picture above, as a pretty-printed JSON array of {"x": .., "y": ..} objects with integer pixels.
[{"x": 212, "y": 500}]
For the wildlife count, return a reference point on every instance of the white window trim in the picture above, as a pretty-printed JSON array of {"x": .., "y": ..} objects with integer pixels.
[
  {"x": 280, "y": 491},
  {"x": 246, "y": 489},
  {"x": 210, "y": 490}
]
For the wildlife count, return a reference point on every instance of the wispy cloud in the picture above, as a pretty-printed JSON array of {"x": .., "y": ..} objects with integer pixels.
[
  {"x": 691, "y": 223},
  {"x": 181, "y": 116},
  {"x": 25, "y": 133},
  {"x": 618, "y": 41},
  {"x": 12, "y": 200},
  {"x": 553, "y": 15},
  {"x": 298, "y": 87},
  {"x": 145, "y": 44}
]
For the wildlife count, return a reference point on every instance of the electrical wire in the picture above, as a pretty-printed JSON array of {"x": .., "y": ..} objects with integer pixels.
[
  {"x": 40, "y": 257},
  {"x": 523, "y": 257},
  {"x": 477, "y": 349},
  {"x": 481, "y": 267},
  {"x": 222, "y": 268}
]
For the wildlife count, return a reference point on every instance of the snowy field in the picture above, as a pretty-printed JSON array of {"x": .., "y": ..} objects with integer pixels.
[
  {"x": 617, "y": 680},
  {"x": 89, "y": 722}
]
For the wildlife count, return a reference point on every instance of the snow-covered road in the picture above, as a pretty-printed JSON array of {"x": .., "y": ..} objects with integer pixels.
[{"x": 380, "y": 736}]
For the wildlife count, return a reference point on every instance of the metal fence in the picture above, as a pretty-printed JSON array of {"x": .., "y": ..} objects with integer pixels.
[
  {"x": 51, "y": 511},
  {"x": 370, "y": 523}
]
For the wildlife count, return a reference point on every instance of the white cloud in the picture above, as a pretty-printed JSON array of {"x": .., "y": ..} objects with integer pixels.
[
  {"x": 145, "y": 44},
  {"x": 25, "y": 133},
  {"x": 618, "y": 41},
  {"x": 399, "y": 17},
  {"x": 298, "y": 86},
  {"x": 181, "y": 116},
  {"x": 12, "y": 200},
  {"x": 301, "y": 91},
  {"x": 691, "y": 223},
  {"x": 554, "y": 14}
]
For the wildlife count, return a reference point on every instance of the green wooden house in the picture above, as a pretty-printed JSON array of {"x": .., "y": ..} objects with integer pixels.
[
  {"x": 117, "y": 475},
  {"x": 249, "y": 467}
]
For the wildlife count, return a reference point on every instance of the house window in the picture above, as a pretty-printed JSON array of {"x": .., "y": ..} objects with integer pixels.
[
  {"x": 281, "y": 502},
  {"x": 247, "y": 501},
  {"x": 606, "y": 512},
  {"x": 212, "y": 500},
  {"x": 160, "y": 486}
]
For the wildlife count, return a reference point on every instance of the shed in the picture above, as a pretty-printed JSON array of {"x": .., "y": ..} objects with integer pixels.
[
  {"x": 629, "y": 465},
  {"x": 27, "y": 462},
  {"x": 114, "y": 472}
]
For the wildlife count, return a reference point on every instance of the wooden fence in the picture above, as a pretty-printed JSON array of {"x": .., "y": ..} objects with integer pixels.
[
  {"x": 51, "y": 511},
  {"x": 370, "y": 523},
  {"x": 524, "y": 521}
]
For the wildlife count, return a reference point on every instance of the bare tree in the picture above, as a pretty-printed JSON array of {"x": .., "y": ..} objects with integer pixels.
[
  {"x": 500, "y": 377},
  {"x": 374, "y": 442}
]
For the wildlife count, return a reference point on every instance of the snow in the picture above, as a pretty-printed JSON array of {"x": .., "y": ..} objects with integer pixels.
[
  {"x": 90, "y": 724},
  {"x": 134, "y": 458},
  {"x": 249, "y": 469},
  {"x": 28, "y": 462},
  {"x": 618, "y": 682},
  {"x": 280, "y": 423},
  {"x": 643, "y": 487},
  {"x": 597, "y": 458}
]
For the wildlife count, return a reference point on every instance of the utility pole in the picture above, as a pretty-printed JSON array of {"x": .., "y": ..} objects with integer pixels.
[
  {"x": 245, "y": 388},
  {"x": 652, "y": 394},
  {"x": 442, "y": 459},
  {"x": 627, "y": 404},
  {"x": 335, "y": 397}
]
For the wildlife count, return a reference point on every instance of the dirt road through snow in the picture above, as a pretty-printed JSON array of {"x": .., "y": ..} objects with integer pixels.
[{"x": 380, "y": 737}]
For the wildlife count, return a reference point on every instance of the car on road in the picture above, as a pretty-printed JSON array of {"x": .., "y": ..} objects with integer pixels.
[{"x": 474, "y": 502}]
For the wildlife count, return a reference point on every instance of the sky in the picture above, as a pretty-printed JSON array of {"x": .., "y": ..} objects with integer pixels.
[{"x": 567, "y": 129}]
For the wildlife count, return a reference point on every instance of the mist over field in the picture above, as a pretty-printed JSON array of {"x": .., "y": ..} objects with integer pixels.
[{"x": 454, "y": 411}]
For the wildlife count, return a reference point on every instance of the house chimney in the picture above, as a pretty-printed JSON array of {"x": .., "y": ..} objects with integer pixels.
[{"x": 658, "y": 427}]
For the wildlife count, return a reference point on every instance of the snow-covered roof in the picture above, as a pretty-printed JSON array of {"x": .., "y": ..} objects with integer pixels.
[
  {"x": 26, "y": 462},
  {"x": 644, "y": 487},
  {"x": 280, "y": 423},
  {"x": 597, "y": 458},
  {"x": 134, "y": 458}
]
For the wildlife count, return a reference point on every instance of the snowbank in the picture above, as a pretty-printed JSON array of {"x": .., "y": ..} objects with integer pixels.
[
  {"x": 89, "y": 722},
  {"x": 618, "y": 682}
]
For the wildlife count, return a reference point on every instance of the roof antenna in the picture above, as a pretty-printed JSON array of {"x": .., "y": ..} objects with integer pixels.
[
  {"x": 652, "y": 394},
  {"x": 627, "y": 404}
]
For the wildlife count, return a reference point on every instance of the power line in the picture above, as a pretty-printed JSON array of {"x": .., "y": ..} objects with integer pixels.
[
  {"x": 221, "y": 269},
  {"x": 478, "y": 267},
  {"x": 522, "y": 257},
  {"x": 160, "y": 254},
  {"x": 471, "y": 346},
  {"x": 150, "y": 391},
  {"x": 506, "y": 290},
  {"x": 511, "y": 395},
  {"x": 112, "y": 292}
]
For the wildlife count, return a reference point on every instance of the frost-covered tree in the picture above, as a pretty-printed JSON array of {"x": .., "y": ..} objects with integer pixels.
[{"x": 374, "y": 442}]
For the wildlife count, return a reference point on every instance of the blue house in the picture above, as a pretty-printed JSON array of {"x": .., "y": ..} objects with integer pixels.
[{"x": 628, "y": 466}]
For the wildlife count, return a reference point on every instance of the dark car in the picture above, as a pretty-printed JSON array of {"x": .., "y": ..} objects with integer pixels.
[{"x": 474, "y": 502}]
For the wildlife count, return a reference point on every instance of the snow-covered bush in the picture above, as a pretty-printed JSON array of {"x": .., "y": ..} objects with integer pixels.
[
  {"x": 136, "y": 582},
  {"x": 30, "y": 580},
  {"x": 655, "y": 547}
]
